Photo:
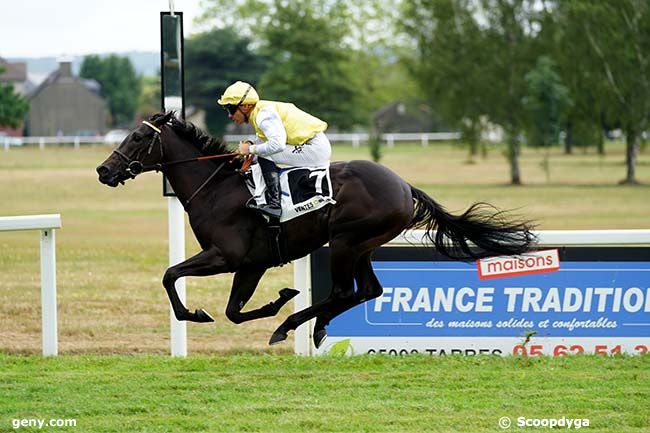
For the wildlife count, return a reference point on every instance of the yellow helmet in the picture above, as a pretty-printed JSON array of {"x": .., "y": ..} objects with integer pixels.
[{"x": 239, "y": 93}]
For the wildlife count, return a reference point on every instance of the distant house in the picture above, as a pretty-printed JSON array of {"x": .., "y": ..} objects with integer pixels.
[
  {"x": 16, "y": 75},
  {"x": 402, "y": 117},
  {"x": 66, "y": 105},
  {"x": 196, "y": 116}
]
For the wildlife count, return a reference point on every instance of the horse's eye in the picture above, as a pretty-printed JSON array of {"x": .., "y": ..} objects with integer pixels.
[{"x": 137, "y": 137}]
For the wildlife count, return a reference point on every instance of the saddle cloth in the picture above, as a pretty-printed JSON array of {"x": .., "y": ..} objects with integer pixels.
[{"x": 303, "y": 190}]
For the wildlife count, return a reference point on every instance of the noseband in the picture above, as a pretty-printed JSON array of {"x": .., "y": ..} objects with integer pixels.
[{"x": 135, "y": 167}]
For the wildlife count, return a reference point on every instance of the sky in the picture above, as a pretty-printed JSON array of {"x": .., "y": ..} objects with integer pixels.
[{"x": 45, "y": 28}]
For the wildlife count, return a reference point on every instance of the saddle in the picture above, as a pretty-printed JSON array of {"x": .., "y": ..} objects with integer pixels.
[{"x": 303, "y": 190}]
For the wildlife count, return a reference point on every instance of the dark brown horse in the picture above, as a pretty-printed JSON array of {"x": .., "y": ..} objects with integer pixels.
[{"x": 373, "y": 205}]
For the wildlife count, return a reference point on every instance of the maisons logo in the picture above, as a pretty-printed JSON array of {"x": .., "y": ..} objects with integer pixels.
[{"x": 507, "y": 266}]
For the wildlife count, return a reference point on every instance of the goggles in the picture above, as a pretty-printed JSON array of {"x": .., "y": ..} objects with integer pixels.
[{"x": 231, "y": 109}]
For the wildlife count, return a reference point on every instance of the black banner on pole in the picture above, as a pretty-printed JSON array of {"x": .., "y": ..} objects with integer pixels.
[{"x": 172, "y": 71}]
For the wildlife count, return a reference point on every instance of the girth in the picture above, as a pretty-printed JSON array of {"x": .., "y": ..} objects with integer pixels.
[{"x": 277, "y": 240}]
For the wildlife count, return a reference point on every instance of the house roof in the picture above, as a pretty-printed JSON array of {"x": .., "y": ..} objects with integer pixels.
[
  {"x": 13, "y": 71},
  {"x": 55, "y": 76}
]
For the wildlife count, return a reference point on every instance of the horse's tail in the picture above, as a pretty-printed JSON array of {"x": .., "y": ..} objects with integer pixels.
[{"x": 482, "y": 224}]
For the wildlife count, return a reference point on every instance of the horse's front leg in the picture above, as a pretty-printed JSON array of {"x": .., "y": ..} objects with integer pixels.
[
  {"x": 243, "y": 286},
  {"x": 207, "y": 262}
]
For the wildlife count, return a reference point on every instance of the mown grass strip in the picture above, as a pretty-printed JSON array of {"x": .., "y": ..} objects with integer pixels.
[{"x": 327, "y": 394}]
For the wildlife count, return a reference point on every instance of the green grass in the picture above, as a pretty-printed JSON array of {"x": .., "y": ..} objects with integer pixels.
[
  {"x": 245, "y": 393},
  {"x": 112, "y": 249},
  {"x": 111, "y": 255}
]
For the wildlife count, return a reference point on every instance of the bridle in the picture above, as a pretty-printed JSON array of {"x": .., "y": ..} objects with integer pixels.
[{"x": 135, "y": 166}]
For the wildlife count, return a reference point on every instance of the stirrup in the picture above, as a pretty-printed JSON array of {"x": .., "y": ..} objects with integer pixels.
[
  {"x": 264, "y": 209},
  {"x": 271, "y": 212}
]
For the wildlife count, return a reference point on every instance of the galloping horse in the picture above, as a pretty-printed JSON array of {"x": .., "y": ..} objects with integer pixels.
[{"x": 373, "y": 206}]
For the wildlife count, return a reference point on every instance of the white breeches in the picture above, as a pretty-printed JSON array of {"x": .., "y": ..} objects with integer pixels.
[{"x": 316, "y": 152}]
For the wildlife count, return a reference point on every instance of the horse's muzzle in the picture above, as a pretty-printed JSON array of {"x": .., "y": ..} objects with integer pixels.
[{"x": 107, "y": 177}]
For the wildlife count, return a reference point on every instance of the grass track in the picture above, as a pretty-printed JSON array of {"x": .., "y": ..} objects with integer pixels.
[{"x": 245, "y": 393}]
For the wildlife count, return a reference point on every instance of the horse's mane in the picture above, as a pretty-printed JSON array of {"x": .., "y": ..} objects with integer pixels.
[{"x": 205, "y": 143}]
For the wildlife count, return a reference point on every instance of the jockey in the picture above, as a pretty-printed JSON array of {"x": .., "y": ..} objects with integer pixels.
[{"x": 284, "y": 135}]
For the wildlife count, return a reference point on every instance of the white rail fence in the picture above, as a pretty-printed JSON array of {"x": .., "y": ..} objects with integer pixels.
[
  {"x": 357, "y": 139},
  {"x": 390, "y": 138},
  {"x": 47, "y": 225},
  {"x": 8, "y": 142}
]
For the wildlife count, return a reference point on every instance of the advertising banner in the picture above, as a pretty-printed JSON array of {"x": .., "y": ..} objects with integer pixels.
[{"x": 596, "y": 301}]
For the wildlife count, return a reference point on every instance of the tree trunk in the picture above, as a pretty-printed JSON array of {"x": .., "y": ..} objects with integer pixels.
[
  {"x": 632, "y": 140},
  {"x": 513, "y": 158},
  {"x": 601, "y": 143},
  {"x": 568, "y": 140},
  {"x": 473, "y": 148}
]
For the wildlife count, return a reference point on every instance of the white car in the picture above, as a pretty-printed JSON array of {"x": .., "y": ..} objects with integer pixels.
[
  {"x": 115, "y": 136},
  {"x": 11, "y": 141}
]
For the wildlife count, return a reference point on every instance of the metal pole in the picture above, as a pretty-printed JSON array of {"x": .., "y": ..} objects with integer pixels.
[
  {"x": 48, "y": 293},
  {"x": 176, "y": 221},
  {"x": 302, "y": 282}
]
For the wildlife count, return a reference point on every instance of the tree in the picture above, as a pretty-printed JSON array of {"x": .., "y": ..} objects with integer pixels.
[
  {"x": 149, "y": 99},
  {"x": 120, "y": 85},
  {"x": 565, "y": 44},
  {"x": 472, "y": 56},
  {"x": 546, "y": 102},
  {"x": 13, "y": 107},
  {"x": 214, "y": 60},
  {"x": 510, "y": 31},
  {"x": 377, "y": 70},
  {"x": 616, "y": 35},
  {"x": 448, "y": 60},
  {"x": 323, "y": 55},
  {"x": 307, "y": 62}
]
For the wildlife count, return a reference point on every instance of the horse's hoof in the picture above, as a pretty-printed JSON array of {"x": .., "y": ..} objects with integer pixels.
[
  {"x": 288, "y": 293},
  {"x": 319, "y": 337},
  {"x": 277, "y": 337},
  {"x": 202, "y": 316}
]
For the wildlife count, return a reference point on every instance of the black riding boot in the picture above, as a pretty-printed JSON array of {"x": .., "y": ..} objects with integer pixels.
[{"x": 272, "y": 207}]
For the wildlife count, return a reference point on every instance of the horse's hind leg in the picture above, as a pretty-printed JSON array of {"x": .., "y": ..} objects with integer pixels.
[
  {"x": 343, "y": 258},
  {"x": 368, "y": 287},
  {"x": 243, "y": 286},
  {"x": 207, "y": 262}
]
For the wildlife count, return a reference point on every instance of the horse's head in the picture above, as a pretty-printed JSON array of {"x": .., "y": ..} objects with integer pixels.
[{"x": 140, "y": 151}]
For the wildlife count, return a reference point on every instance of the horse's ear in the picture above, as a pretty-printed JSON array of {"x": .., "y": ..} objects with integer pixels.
[{"x": 161, "y": 120}]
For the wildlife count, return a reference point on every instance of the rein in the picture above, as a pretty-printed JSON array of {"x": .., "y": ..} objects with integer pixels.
[{"x": 136, "y": 167}]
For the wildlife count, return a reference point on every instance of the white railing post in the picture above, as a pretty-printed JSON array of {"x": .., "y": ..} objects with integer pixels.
[
  {"x": 41, "y": 143},
  {"x": 47, "y": 225},
  {"x": 76, "y": 143},
  {"x": 302, "y": 283},
  {"x": 176, "y": 225},
  {"x": 6, "y": 141},
  {"x": 48, "y": 293}
]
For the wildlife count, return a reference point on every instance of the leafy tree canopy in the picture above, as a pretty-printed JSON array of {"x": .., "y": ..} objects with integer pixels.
[
  {"x": 214, "y": 60},
  {"x": 307, "y": 64},
  {"x": 546, "y": 102},
  {"x": 13, "y": 107},
  {"x": 120, "y": 85}
]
